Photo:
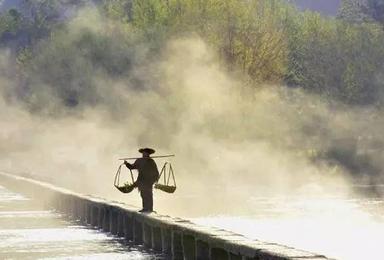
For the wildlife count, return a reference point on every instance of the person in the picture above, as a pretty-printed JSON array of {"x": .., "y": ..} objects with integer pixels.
[{"x": 148, "y": 175}]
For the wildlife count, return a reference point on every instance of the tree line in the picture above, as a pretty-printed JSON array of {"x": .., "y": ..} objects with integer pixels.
[{"x": 269, "y": 41}]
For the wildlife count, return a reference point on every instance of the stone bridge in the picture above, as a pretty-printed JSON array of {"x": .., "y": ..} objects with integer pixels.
[{"x": 175, "y": 237}]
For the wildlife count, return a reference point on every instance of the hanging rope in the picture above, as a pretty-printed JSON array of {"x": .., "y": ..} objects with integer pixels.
[
  {"x": 127, "y": 187},
  {"x": 165, "y": 186}
]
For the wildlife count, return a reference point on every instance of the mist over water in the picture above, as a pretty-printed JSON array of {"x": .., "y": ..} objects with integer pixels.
[{"x": 244, "y": 151}]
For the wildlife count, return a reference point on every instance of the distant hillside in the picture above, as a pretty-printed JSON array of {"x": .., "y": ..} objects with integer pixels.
[{"x": 326, "y": 7}]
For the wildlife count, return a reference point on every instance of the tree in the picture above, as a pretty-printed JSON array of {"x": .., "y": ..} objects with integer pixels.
[
  {"x": 118, "y": 9},
  {"x": 354, "y": 11},
  {"x": 10, "y": 21},
  {"x": 358, "y": 11},
  {"x": 376, "y": 10}
]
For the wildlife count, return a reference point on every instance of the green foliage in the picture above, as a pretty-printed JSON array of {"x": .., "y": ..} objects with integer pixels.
[
  {"x": 336, "y": 59},
  {"x": 24, "y": 56},
  {"x": 353, "y": 11},
  {"x": 44, "y": 14},
  {"x": 69, "y": 64},
  {"x": 249, "y": 35},
  {"x": 359, "y": 11},
  {"x": 376, "y": 10},
  {"x": 271, "y": 41},
  {"x": 10, "y": 21},
  {"x": 268, "y": 40},
  {"x": 120, "y": 10}
]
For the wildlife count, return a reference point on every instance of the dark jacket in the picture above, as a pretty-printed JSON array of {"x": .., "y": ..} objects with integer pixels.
[{"x": 148, "y": 172}]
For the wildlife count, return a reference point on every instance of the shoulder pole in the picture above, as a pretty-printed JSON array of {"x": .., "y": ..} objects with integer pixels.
[{"x": 159, "y": 156}]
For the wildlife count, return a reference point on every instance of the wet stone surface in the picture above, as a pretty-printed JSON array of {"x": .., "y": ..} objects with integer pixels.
[{"x": 28, "y": 231}]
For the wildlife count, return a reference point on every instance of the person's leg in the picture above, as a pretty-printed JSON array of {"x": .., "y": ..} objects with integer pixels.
[
  {"x": 150, "y": 199},
  {"x": 147, "y": 196},
  {"x": 143, "y": 200}
]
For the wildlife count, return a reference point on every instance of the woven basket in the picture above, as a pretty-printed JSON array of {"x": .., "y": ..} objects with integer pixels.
[
  {"x": 127, "y": 188},
  {"x": 165, "y": 188}
]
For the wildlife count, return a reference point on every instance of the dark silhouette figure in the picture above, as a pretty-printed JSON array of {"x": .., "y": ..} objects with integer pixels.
[{"x": 148, "y": 175}]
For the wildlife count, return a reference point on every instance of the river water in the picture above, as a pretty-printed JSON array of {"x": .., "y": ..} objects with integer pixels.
[
  {"x": 341, "y": 225},
  {"x": 27, "y": 231},
  {"x": 350, "y": 229}
]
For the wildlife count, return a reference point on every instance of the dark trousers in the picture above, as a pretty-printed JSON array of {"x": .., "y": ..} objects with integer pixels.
[{"x": 147, "y": 197}]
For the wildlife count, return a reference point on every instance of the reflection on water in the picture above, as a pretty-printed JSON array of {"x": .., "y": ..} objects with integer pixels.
[
  {"x": 29, "y": 232},
  {"x": 340, "y": 228},
  {"x": 8, "y": 196}
]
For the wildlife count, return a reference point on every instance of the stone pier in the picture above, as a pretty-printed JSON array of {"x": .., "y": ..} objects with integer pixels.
[{"x": 175, "y": 237}]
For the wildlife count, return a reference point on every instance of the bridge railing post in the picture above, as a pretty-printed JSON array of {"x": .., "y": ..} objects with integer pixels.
[
  {"x": 137, "y": 231},
  {"x": 106, "y": 219},
  {"x": 156, "y": 239},
  {"x": 128, "y": 227},
  {"x": 83, "y": 209},
  {"x": 89, "y": 213},
  {"x": 101, "y": 217},
  {"x": 95, "y": 216},
  {"x": 177, "y": 246},
  {"x": 218, "y": 254},
  {"x": 120, "y": 223},
  {"x": 189, "y": 247},
  {"x": 113, "y": 221},
  {"x": 147, "y": 235},
  {"x": 166, "y": 240},
  {"x": 235, "y": 257},
  {"x": 202, "y": 250}
]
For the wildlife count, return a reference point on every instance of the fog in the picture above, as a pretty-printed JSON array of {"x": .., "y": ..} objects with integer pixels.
[{"x": 69, "y": 116}]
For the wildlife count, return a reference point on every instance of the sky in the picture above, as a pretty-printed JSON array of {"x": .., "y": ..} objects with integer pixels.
[
  {"x": 328, "y": 7},
  {"x": 7, "y": 4}
]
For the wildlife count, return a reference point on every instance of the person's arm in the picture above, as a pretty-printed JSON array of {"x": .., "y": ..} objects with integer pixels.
[{"x": 130, "y": 166}]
